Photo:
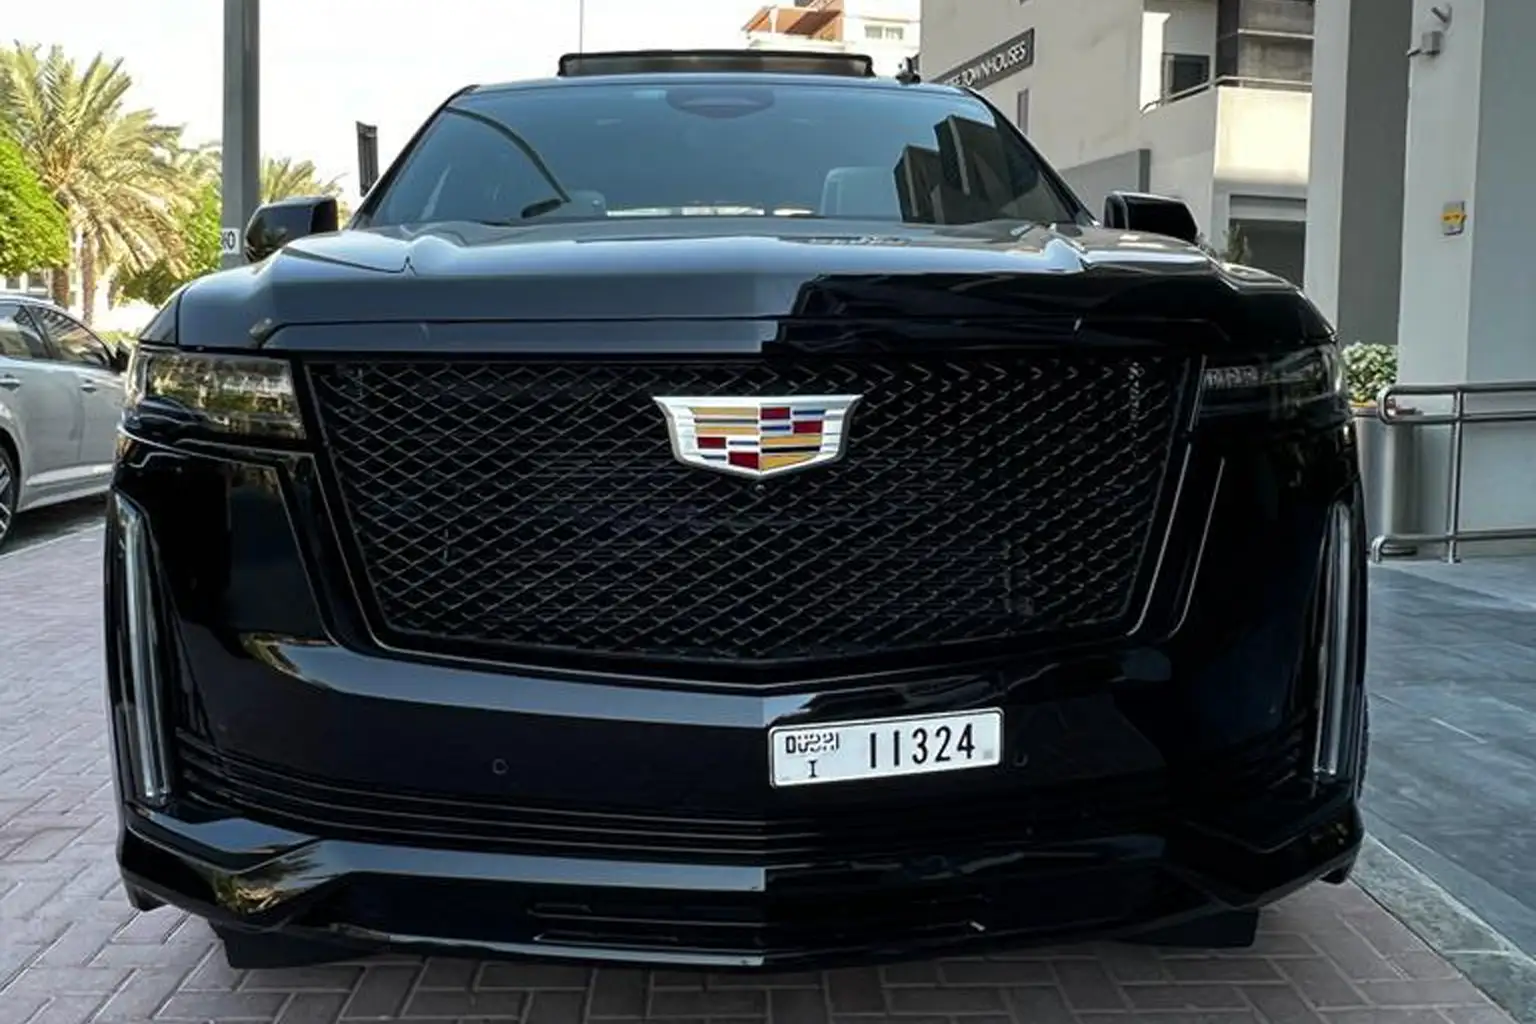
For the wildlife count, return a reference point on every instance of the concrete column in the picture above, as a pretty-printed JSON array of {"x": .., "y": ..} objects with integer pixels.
[
  {"x": 1355, "y": 186},
  {"x": 242, "y": 119},
  {"x": 1468, "y": 305}
]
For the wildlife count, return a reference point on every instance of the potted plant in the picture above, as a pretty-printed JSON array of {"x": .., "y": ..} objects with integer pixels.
[
  {"x": 1368, "y": 367},
  {"x": 1386, "y": 452}
]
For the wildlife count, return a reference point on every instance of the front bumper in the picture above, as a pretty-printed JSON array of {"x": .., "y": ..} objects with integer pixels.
[{"x": 240, "y": 874}]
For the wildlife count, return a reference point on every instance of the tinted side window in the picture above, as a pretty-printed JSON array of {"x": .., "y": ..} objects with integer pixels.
[
  {"x": 18, "y": 337},
  {"x": 75, "y": 343}
]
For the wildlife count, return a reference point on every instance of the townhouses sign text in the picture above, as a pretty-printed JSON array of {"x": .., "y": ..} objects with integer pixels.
[{"x": 1016, "y": 54}]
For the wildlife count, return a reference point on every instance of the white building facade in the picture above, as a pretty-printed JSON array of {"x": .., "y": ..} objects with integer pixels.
[
  {"x": 1205, "y": 100},
  {"x": 31, "y": 284},
  {"x": 886, "y": 30}
]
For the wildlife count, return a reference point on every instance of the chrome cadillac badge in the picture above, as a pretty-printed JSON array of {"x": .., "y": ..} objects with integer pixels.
[{"x": 758, "y": 437}]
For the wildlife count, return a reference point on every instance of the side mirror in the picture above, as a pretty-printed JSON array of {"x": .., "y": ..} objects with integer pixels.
[
  {"x": 117, "y": 357},
  {"x": 1155, "y": 215},
  {"x": 276, "y": 224}
]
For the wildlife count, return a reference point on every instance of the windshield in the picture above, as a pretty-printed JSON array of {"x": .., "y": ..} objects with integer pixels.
[{"x": 720, "y": 148}]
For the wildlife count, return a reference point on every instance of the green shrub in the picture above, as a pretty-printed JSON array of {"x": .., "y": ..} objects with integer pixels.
[{"x": 1368, "y": 368}]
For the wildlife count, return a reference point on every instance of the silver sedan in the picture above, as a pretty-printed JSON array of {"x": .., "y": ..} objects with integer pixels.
[{"x": 61, "y": 394}]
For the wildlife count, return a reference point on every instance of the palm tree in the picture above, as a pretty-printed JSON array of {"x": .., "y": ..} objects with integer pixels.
[
  {"x": 197, "y": 251},
  {"x": 199, "y": 165},
  {"x": 112, "y": 170},
  {"x": 284, "y": 177}
]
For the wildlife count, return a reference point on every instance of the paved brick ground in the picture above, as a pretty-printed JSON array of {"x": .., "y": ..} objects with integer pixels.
[{"x": 72, "y": 951}]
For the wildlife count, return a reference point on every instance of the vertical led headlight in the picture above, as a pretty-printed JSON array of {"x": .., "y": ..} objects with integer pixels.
[
  {"x": 1335, "y": 708},
  {"x": 140, "y": 710}
]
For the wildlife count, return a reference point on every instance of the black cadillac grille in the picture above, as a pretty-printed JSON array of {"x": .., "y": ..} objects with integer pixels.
[{"x": 518, "y": 504}]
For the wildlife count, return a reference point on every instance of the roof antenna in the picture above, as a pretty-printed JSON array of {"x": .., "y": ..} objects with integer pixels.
[{"x": 908, "y": 74}]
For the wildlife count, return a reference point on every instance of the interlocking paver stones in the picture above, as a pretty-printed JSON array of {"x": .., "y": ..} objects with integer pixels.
[{"x": 71, "y": 951}]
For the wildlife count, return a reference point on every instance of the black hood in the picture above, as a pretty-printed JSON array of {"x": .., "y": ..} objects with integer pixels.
[{"x": 734, "y": 269}]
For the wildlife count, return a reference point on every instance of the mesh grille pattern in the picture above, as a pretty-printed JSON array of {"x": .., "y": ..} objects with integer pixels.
[{"x": 532, "y": 504}]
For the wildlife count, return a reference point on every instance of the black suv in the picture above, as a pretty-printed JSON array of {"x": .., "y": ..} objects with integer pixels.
[{"x": 731, "y": 509}]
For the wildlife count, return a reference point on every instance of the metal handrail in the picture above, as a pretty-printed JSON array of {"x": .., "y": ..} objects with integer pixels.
[
  {"x": 1227, "y": 82},
  {"x": 1393, "y": 415}
]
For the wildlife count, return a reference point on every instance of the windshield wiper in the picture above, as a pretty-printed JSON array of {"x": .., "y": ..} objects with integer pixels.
[
  {"x": 532, "y": 211},
  {"x": 544, "y": 206}
]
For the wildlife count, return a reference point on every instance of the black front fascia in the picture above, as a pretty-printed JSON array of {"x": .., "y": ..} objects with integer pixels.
[
  {"x": 1191, "y": 485},
  {"x": 274, "y": 665}
]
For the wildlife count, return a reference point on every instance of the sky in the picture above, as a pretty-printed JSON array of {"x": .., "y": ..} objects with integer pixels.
[{"x": 327, "y": 64}]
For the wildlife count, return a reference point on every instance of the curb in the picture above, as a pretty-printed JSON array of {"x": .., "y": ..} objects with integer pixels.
[{"x": 1504, "y": 972}]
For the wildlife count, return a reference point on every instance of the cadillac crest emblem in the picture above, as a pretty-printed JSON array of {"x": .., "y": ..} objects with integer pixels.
[{"x": 758, "y": 437}]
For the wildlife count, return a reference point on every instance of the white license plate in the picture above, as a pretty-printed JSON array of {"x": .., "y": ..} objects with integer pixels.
[{"x": 880, "y": 748}]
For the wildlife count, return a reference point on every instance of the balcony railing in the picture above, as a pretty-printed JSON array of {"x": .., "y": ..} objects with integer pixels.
[{"x": 1232, "y": 82}]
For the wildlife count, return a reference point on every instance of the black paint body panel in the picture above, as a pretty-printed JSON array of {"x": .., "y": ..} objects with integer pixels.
[
  {"x": 328, "y": 786},
  {"x": 613, "y": 286}
]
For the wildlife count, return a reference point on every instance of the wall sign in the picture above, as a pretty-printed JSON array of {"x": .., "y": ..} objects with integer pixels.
[
  {"x": 1017, "y": 54},
  {"x": 1453, "y": 218}
]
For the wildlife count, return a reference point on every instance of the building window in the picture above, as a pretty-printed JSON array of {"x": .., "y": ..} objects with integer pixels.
[
  {"x": 1183, "y": 72},
  {"x": 878, "y": 30},
  {"x": 1021, "y": 118}
]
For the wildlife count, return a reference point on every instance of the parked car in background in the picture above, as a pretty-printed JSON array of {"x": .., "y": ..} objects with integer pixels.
[{"x": 61, "y": 394}]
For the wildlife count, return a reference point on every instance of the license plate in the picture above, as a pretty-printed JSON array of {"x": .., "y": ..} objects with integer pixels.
[{"x": 879, "y": 748}]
